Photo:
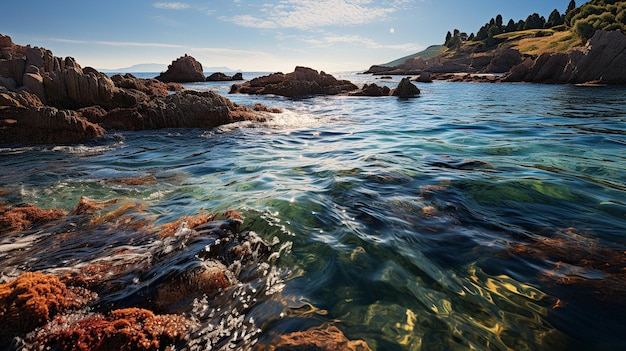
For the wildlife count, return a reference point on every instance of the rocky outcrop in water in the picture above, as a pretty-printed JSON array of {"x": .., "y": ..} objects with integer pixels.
[
  {"x": 221, "y": 77},
  {"x": 406, "y": 89},
  {"x": 185, "y": 69},
  {"x": 302, "y": 82},
  {"x": 50, "y": 100}
]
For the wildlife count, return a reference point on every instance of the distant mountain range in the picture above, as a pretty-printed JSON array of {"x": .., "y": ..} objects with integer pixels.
[{"x": 158, "y": 67}]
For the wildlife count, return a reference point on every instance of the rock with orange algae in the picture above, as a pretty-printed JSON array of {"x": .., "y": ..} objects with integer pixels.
[
  {"x": 575, "y": 255},
  {"x": 124, "y": 329},
  {"x": 87, "y": 206},
  {"x": 328, "y": 338},
  {"x": 18, "y": 218},
  {"x": 34, "y": 298},
  {"x": 169, "y": 229}
]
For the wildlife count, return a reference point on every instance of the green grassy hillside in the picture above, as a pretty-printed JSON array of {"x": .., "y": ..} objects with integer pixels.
[{"x": 429, "y": 52}]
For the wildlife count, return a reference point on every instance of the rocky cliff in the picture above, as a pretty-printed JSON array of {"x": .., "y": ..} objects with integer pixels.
[
  {"x": 603, "y": 60},
  {"x": 48, "y": 99}
]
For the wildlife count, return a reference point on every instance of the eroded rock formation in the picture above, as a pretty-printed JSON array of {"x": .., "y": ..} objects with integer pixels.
[
  {"x": 50, "y": 100},
  {"x": 183, "y": 70}
]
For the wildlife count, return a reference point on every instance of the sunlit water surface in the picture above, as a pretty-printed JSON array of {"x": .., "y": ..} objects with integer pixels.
[{"x": 408, "y": 218}]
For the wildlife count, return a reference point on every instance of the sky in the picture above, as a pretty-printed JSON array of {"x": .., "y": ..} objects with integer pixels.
[{"x": 258, "y": 35}]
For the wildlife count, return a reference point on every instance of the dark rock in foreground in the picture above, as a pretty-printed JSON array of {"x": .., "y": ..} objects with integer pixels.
[{"x": 185, "y": 69}]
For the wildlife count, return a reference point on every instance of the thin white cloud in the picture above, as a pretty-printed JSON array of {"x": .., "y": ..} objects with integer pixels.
[
  {"x": 329, "y": 41},
  {"x": 309, "y": 14},
  {"x": 230, "y": 52},
  {"x": 171, "y": 5},
  {"x": 116, "y": 43}
]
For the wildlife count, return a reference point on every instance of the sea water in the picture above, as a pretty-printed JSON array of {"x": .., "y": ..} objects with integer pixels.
[{"x": 475, "y": 216}]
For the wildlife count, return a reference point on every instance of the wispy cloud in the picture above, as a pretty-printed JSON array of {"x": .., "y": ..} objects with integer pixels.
[
  {"x": 116, "y": 43},
  {"x": 171, "y": 5},
  {"x": 329, "y": 41},
  {"x": 309, "y": 14}
]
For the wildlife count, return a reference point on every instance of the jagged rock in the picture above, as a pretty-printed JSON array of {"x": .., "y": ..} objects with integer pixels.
[
  {"x": 603, "y": 60},
  {"x": 34, "y": 83},
  {"x": 503, "y": 61},
  {"x": 72, "y": 88},
  {"x": 47, "y": 99},
  {"x": 21, "y": 99},
  {"x": 406, "y": 89},
  {"x": 372, "y": 90},
  {"x": 424, "y": 77},
  {"x": 184, "y": 69},
  {"x": 302, "y": 82},
  {"x": 44, "y": 125}
]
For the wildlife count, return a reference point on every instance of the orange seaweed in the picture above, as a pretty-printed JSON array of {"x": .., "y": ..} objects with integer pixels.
[
  {"x": 123, "y": 329},
  {"x": 34, "y": 298},
  {"x": 18, "y": 218},
  {"x": 328, "y": 338}
]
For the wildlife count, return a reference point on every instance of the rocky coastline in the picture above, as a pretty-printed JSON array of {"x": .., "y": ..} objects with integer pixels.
[
  {"x": 601, "y": 61},
  {"x": 46, "y": 99},
  {"x": 305, "y": 82}
]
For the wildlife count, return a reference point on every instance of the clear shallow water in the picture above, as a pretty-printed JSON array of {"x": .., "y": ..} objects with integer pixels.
[{"x": 452, "y": 221}]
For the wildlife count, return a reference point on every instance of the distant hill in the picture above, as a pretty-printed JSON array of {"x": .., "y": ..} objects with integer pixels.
[
  {"x": 429, "y": 52},
  {"x": 142, "y": 67},
  {"x": 157, "y": 67}
]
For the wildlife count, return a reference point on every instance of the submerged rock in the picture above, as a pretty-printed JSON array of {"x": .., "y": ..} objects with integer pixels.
[{"x": 328, "y": 338}]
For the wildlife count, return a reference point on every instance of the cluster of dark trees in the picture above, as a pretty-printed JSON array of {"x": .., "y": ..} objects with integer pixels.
[{"x": 584, "y": 21}]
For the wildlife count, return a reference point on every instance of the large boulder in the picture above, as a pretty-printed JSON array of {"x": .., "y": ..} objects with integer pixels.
[
  {"x": 183, "y": 70},
  {"x": 406, "y": 89}
]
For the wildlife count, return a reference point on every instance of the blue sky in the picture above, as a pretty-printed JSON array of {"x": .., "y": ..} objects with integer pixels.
[{"x": 263, "y": 35}]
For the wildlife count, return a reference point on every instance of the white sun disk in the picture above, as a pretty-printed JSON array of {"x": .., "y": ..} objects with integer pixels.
[{"x": 391, "y": 30}]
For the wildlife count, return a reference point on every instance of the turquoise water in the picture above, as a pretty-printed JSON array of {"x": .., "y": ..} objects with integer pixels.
[{"x": 477, "y": 216}]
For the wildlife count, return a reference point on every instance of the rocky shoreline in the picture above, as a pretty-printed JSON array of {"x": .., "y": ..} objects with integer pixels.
[
  {"x": 46, "y": 99},
  {"x": 601, "y": 61}
]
